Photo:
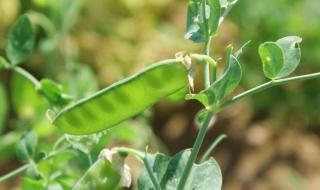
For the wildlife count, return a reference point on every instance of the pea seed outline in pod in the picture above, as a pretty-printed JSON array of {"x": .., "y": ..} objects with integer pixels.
[{"x": 140, "y": 94}]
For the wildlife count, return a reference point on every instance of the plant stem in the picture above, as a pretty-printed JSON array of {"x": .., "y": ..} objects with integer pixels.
[
  {"x": 207, "y": 81},
  {"x": 28, "y": 76},
  {"x": 267, "y": 85},
  {"x": 195, "y": 150},
  {"x": 14, "y": 173},
  {"x": 207, "y": 46},
  {"x": 215, "y": 143},
  {"x": 207, "y": 59},
  {"x": 58, "y": 142}
]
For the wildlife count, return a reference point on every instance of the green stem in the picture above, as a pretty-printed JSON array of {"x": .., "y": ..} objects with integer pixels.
[
  {"x": 28, "y": 76},
  {"x": 215, "y": 143},
  {"x": 44, "y": 22},
  {"x": 207, "y": 46},
  {"x": 14, "y": 173},
  {"x": 267, "y": 85},
  {"x": 195, "y": 150},
  {"x": 199, "y": 58},
  {"x": 207, "y": 81},
  {"x": 58, "y": 142}
]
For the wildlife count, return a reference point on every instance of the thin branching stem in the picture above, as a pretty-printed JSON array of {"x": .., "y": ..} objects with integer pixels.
[
  {"x": 207, "y": 46},
  {"x": 14, "y": 173},
  {"x": 266, "y": 86},
  {"x": 215, "y": 143},
  {"x": 207, "y": 65},
  {"x": 28, "y": 76},
  {"x": 26, "y": 166}
]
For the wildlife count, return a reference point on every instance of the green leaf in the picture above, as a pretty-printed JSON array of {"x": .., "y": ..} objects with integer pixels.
[
  {"x": 272, "y": 59},
  {"x": 223, "y": 86},
  {"x": 3, "y": 63},
  {"x": 33, "y": 173},
  {"x": 200, "y": 27},
  {"x": 159, "y": 164},
  {"x": 26, "y": 147},
  {"x": 100, "y": 176},
  {"x": 29, "y": 104},
  {"x": 169, "y": 170},
  {"x": 31, "y": 184},
  {"x": 280, "y": 58},
  {"x": 292, "y": 54},
  {"x": 20, "y": 40},
  {"x": 54, "y": 93},
  {"x": 39, "y": 156},
  {"x": 3, "y": 107},
  {"x": 214, "y": 16}
]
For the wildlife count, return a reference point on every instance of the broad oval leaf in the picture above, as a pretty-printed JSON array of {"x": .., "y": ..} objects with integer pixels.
[
  {"x": 292, "y": 54},
  {"x": 202, "y": 22},
  {"x": 223, "y": 86},
  {"x": 26, "y": 147},
  {"x": 123, "y": 99},
  {"x": 272, "y": 59},
  {"x": 20, "y": 40},
  {"x": 168, "y": 171}
]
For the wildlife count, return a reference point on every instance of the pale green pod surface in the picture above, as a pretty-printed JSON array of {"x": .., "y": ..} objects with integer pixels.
[{"x": 123, "y": 99}]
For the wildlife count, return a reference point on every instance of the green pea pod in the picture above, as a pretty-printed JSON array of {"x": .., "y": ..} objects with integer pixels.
[{"x": 123, "y": 99}]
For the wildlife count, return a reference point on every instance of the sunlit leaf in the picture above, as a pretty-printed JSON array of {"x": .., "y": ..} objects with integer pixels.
[
  {"x": 168, "y": 171},
  {"x": 280, "y": 58},
  {"x": 292, "y": 54},
  {"x": 20, "y": 40},
  {"x": 272, "y": 59},
  {"x": 223, "y": 86},
  {"x": 32, "y": 184}
]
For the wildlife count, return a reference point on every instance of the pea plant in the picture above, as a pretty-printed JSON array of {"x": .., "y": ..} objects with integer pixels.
[{"x": 129, "y": 97}]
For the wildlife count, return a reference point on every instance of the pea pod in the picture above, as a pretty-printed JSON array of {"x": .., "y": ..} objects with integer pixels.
[{"x": 123, "y": 99}]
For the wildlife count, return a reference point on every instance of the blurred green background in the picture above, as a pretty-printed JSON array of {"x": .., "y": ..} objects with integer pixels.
[{"x": 86, "y": 45}]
